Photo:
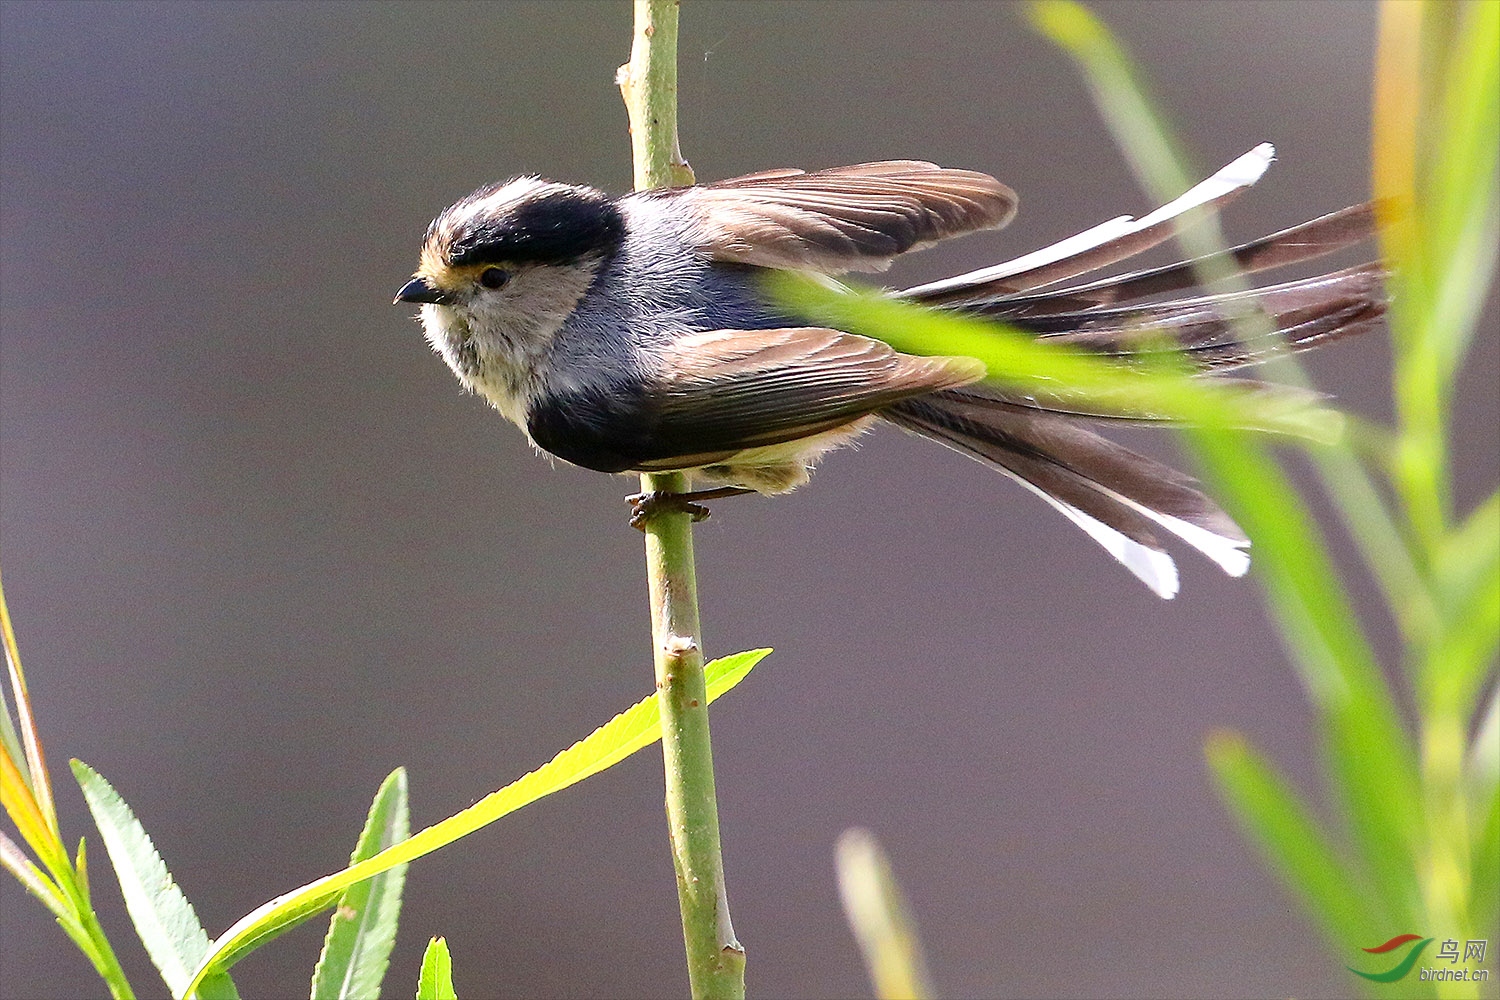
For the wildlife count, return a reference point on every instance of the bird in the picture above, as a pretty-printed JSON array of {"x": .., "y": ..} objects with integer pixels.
[{"x": 634, "y": 333}]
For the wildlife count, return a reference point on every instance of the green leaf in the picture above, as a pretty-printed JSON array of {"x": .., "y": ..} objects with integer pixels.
[
  {"x": 1369, "y": 751},
  {"x": 880, "y": 919},
  {"x": 1063, "y": 376},
  {"x": 1470, "y": 556},
  {"x": 436, "y": 979},
  {"x": 1275, "y": 817},
  {"x": 36, "y": 882},
  {"x": 1383, "y": 542},
  {"x": 637, "y": 727},
  {"x": 81, "y": 866},
  {"x": 10, "y": 742},
  {"x": 1459, "y": 657},
  {"x": 1461, "y": 195},
  {"x": 1484, "y": 872},
  {"x": 162, "y": 915},
  {"x": 1467, "y": 570},
  {"x": 363, "y": 929},
  {"x": 1437, "y": 98}
]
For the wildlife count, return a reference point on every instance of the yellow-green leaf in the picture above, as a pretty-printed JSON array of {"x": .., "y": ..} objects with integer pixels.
[
  {"x": 436, "y": 979},
  {"x": 631, "y": 730}
]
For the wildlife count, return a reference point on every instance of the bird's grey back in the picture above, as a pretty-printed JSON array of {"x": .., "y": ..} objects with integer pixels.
[{"x": 657, "y": 286}]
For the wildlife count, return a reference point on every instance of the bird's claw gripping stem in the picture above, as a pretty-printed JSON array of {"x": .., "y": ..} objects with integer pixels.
[{"x": 645, "y": 506}]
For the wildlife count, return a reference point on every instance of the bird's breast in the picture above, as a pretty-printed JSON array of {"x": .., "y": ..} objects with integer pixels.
[{"x": 500, "y": 376}]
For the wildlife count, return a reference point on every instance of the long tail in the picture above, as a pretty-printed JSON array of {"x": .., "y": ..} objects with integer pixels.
[
  {"x": 1119, "y": 497},
  {"x": 1123, "y": 499}
]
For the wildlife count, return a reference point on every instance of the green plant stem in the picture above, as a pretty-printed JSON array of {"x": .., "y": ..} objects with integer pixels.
[
  {"x": 103, "y": 957},
  {"x": 716, "y": 961},
  {"x": 649, "y": 85},
  {"x": 68, "y": 898}
]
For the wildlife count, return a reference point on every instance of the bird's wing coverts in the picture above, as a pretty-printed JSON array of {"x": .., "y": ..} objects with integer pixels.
[
  {"x": 856, "y": 218},
  {"x": 736, "y": 389}
]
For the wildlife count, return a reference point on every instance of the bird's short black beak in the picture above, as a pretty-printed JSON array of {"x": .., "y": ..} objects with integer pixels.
[{"x": 418, "y": 290}]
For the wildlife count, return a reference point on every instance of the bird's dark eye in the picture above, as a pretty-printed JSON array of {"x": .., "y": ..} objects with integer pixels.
[{"x": 494, "y": 277}]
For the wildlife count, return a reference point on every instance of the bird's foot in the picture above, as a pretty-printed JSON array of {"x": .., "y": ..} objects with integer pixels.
[{"x": 645, "y": 506}]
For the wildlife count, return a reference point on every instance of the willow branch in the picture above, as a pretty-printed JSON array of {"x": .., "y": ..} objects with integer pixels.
[{"x": 716, "y": 961}]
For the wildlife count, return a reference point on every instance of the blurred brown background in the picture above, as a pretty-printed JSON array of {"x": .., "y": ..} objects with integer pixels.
[{"x": 260, "y": 549}]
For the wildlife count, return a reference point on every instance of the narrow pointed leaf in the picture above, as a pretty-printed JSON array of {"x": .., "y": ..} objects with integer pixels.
[
  {"x": 1369, "y": 751},
  {"x": 26, "y": 814},
  {"x": 81, "y": 866},
  {"x": 1470, "y": 555},
  {"x": 1485, "y": 865},
  {"x": 162, "y": 915},
  {"x": 1060, "y": 373},
  {"x": 436, "y": 979},
  {"x": 1459, "y": 658},
  {"x": 362, "y": 932},
  {"x": 34, "y": 879},
  {"x": 1462, "y": 191},
  {"x": 35, "y": 774},
  {"x": 637, "y": 727},
  {"x": 880, "y": 919},
  {"x": 10, "y": 743},
  {"x": 1273, "y": 816}
]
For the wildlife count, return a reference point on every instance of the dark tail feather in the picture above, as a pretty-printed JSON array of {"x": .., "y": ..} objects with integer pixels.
[
  {"x": 1208, "y": 333},
  {"x": 1309, "y": 241},
  {"x": 1120, "y": 498},
  {"x": 1103, "y": 245},
  {"x": 1206, "y": 328}
]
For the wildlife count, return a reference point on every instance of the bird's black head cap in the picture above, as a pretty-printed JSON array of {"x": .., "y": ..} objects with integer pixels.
[{"x": 527, "y": 221}]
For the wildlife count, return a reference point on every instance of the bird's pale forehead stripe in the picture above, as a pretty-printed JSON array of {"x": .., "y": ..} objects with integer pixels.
[
  {"x": 459, "y": 219},
  {"x": 523, "y": 221},
  {"x": 491, "y": 202}
]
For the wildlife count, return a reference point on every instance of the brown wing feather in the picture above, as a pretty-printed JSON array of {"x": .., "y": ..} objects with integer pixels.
[
  {"x": 855, "y": 218},
  {"x": 736, "y": 389}
]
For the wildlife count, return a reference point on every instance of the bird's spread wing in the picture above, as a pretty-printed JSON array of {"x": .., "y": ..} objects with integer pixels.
[
  {"x": 722, "y": 391},
  {"x": 736, "y": 389},
  {"x": 855, "y": 218}
]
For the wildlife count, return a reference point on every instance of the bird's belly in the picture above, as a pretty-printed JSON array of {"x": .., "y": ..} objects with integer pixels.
[{"x": 779, "y": 468}]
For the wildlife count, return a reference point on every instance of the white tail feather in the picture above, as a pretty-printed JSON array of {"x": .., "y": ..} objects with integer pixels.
[
  {"x": 1151, "y": 566},
  {"x": 1243, "y": 172}
]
